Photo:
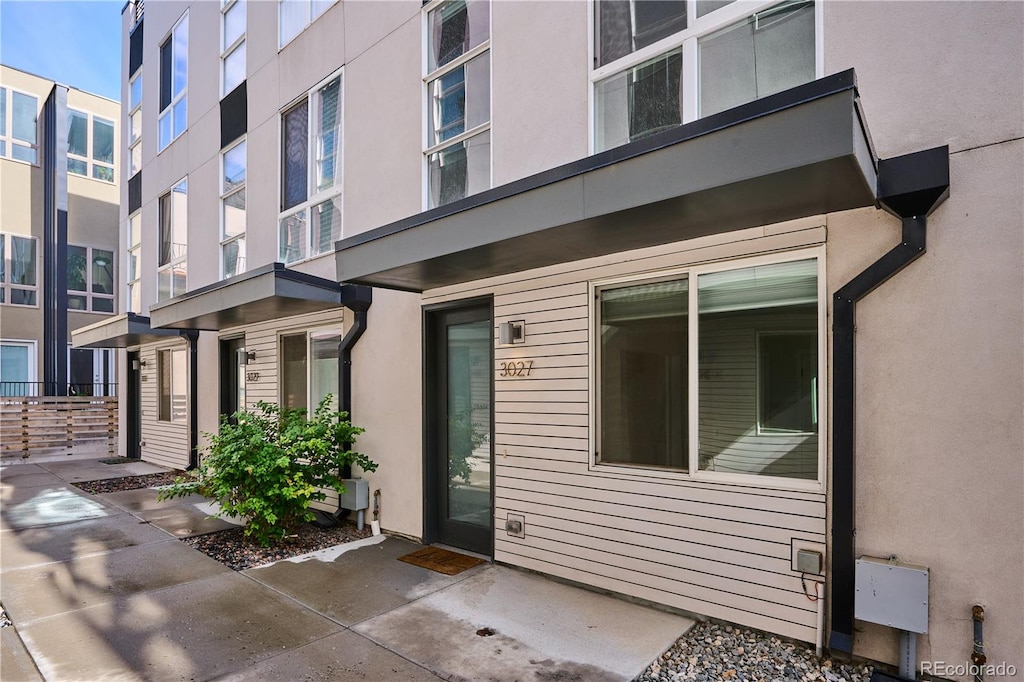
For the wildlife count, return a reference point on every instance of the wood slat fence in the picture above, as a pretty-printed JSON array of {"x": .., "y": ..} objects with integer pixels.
[{"x": 48, "y": 425}]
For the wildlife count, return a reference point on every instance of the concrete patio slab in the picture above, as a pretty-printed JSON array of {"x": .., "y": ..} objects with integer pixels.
[
  {"x": 51, "y": 589},
  {"x": 8, "y": 471},
  {"x": 184, "y": 521},
  {"x": 30, "y": 480},
  {"x": 143, "y": 499},
  {"x": 94, "y": 469},
  {"x": 17, "y": 664},
  {"x": 63, "y": 542},
  {"x": 344, "y": 656},
  {"x": 47, "y": 505},
  {"x": 358, "y": 584},
  {"x": 542, "y": 629},
  {"x": 201, "y": 630}
]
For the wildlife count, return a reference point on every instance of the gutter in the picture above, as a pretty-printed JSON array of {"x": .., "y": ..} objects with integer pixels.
[
  {"x": 357, "y": 298},
  {"x": 910, "y": 187}
]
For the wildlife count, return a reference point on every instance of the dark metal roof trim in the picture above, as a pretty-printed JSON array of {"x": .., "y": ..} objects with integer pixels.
[
  {"x": 266, "y": 293},
  {"x": 119, "y": 331},
  {"x": 801, "y": 152}
]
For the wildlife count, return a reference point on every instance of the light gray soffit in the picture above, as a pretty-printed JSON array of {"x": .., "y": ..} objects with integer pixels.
[
  {"x": 119, "y": 331},
  {"x": 261, "y": 295},
  {"x": 807, "y": 158}
]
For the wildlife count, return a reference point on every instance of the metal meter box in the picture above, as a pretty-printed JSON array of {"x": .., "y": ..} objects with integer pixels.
[
  {"x": 356, "y": 495},
  {"x": 893, "y": 594}
]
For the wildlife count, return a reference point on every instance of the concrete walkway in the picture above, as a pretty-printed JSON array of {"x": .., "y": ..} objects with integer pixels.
[{"x": 99, "y": 587}]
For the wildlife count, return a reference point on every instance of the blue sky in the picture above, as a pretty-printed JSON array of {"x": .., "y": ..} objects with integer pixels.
[{"x": 75, "y": 43}]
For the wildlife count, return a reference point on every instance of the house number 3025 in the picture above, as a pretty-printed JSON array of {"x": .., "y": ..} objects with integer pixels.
[{"x": 515, "y": 368}]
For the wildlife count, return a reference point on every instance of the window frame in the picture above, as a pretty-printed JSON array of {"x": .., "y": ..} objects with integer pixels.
[
  {"x": 171, "y": 356},
  {"x": 176, "y": 259},
  {"x": 7, "y": 139},
  {"x": 91, "y": 164},
  {"x": 88, "y": 293},
  {"x": 224, "y": 194},
  {"x": 685, "y": 40},
  {"x": 314, "y": 196},
  {"x": 135, "y": 143},
  {"x": 6, "y": 285},
  {"x": 238, "y": 43},
  {"x": 32, "y": 368},
  {"x": 134, "y": 249},
  {"x": 335, "y": 329},
  {"x": 430, "y": 148},
  {"x": 312, "y": 15},
  {"x": 693, "y": 473},
  {"x": 168, "y": 111}
]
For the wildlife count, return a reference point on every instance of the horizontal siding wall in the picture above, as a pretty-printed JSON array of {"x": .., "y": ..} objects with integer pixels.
[
  {"x": 166, "y": 443},
  {"x": 262, "y": 339},
  {"x": 721, "y": 550}
]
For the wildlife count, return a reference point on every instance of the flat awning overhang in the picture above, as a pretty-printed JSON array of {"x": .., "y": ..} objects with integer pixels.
[
  {"x": 120, "y": 331},
  {"x": 802, "y": 152},
  {"x": 267, "y": 293}
]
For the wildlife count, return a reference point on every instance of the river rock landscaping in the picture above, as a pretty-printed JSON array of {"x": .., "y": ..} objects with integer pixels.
[{"x": 710, "y": 652}]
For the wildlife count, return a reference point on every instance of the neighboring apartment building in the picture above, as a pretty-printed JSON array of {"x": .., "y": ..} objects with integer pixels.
[
  {"x": 59, "y": 178},
  {"x": 601, "y": 262}
]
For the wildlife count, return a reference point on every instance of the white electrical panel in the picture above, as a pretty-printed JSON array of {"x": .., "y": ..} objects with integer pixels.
[{"x": 893, "y": 594}]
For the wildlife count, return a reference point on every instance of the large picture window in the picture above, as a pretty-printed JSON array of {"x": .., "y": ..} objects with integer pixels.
[
  {"x": 659, "y": 64},
  {"x": 90, "y": 273},
  {"x": 232, "y": 44},
  {"x": 173, "y": 118},
  {"x": 232, "y": 188},
  {"x": 309, "y": 368},
  {"x": 458, "y": 83},
  {"x": 90, "y": 146},
  {"x": 135, "y": 124},
  {"x": 134, "y": 262},
  {"x": 172, "y": 385},
  {"x": 712, "y": 371},
  {"x": 311, "y": 154},
  {"x": 18, "y": 265}
]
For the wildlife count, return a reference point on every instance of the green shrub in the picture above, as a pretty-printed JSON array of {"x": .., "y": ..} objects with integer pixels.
[{"x": 269, "y": 465}]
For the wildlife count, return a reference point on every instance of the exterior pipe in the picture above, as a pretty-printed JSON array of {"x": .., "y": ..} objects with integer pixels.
[
  {"x": 910, "y": 187},
  {"x": 192, "y": 337},
  {"x": 358, "y": 299},
  {"x": 978, "y": 655}
]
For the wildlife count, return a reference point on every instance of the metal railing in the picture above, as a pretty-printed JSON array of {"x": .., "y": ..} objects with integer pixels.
[{"x": 9, "y": 389}]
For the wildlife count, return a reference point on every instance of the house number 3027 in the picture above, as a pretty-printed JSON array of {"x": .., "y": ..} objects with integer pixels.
[
  {"x": 515, "y": 368},
  {"x": 252, "y": 376}
]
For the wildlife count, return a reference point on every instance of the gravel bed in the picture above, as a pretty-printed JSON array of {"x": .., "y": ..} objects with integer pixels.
[
  {"x": 711, "y": 652},
  {"x": 234, "y": 550},
  {"x": 116, "y": 485}
]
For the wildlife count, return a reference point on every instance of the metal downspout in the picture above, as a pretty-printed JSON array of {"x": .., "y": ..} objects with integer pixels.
[
  {"x": 192, "y": 337},
  {"x": 358, "y": 299},
  {"x": 910, "y": 187}
]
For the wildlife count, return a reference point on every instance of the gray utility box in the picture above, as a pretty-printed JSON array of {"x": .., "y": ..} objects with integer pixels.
[
  {"x": 893, "y": 594},
  {"x": 356, "y": 495}
]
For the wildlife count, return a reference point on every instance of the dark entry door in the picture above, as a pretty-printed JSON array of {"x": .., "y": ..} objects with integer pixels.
[
  {"x": 232, "y": 376},
  {"x": 460, "y": 455},
  {"x": 134, "y": 397}
]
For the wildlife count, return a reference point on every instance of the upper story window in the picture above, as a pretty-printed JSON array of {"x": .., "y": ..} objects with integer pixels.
[
  {"x": 90, "y": 147},
  {"x": 19, "y": 126},
  {"x": 18, "y": 281},
  {"x": 173, "y": 85},
  {"x": 172, "y": 271},
  {"x": 134, "y": 278},
  {"x": 232, "y": 44},
  {"x": 311, "y": 139},
  {"x": 90, "y": 275},
  {"x": 458, "y": 87},
  {"x": 232, "y": 218},
  {"x": 295, "y": 15},
  {"x": 659, "y": 64},
  {"x": 135, "y": 124}
]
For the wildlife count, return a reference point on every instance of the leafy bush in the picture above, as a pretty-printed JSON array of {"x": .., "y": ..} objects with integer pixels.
[{"x": 269, "y": 465}]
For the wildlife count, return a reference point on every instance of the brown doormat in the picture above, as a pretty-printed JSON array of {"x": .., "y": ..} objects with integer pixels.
[{"x": 441, "y": 560}]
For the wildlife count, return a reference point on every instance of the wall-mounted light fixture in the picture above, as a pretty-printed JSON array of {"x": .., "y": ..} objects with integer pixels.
[
  {"x": 137, "y": 365},
  {"x": 513, "y": 332},
  {"x": 245, "y": 357}
]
